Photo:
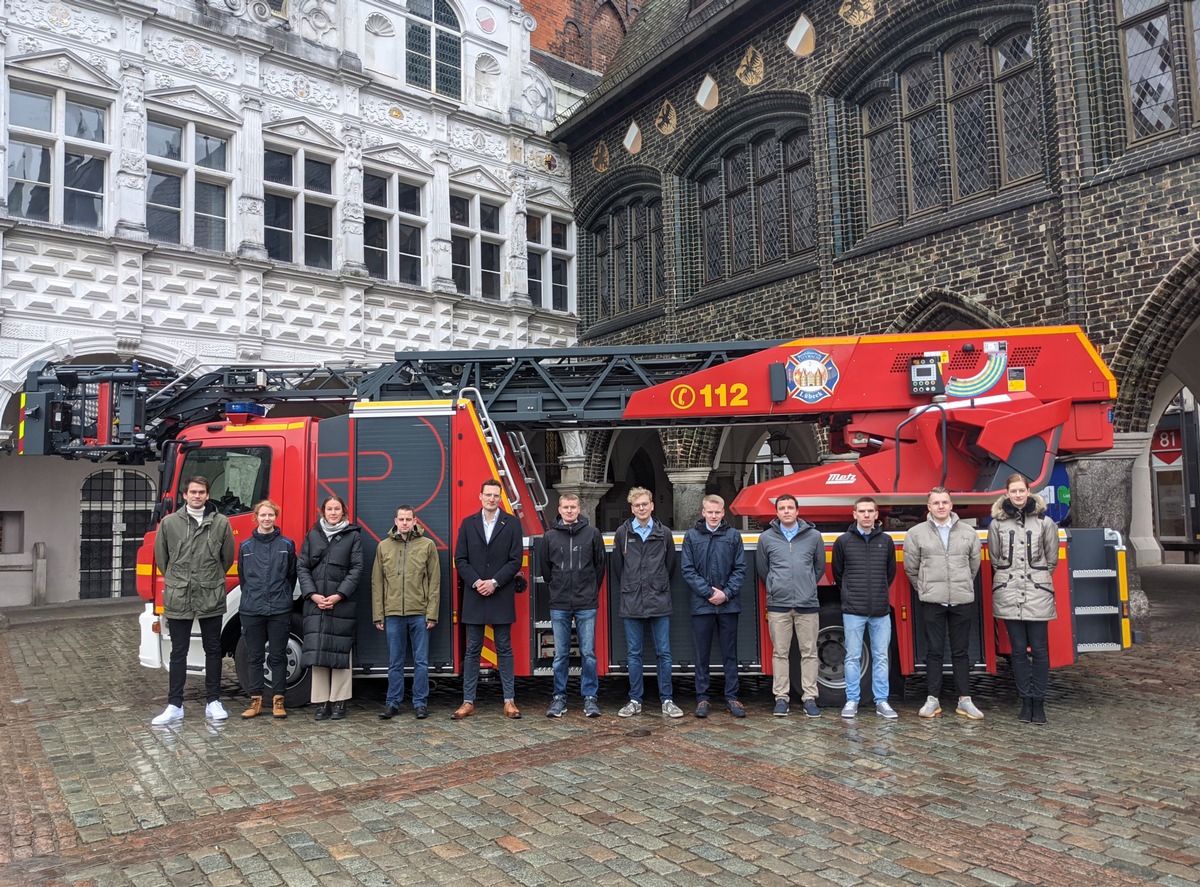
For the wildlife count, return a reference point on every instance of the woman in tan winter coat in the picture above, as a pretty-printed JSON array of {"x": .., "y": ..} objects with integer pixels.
[{"x": 1023, "y": 548}]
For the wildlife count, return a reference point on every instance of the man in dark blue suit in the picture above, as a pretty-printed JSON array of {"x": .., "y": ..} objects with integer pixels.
[{"x": 487, "y": 556}]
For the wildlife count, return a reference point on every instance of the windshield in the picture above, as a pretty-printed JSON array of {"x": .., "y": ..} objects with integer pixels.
[{"x": 238, "y": 477}]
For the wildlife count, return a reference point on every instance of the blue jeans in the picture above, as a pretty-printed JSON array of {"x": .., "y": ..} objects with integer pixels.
[
  {"x": 585, "y": 630},
  {"x": 404, "y": 633},
  {"x": 880, "y": 636},
  {"x": 504, "y": 656},
  {"x": 660, "y": 630}
]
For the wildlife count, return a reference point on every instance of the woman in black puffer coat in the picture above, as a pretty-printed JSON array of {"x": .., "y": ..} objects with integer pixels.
[{"x": 330, "y": 565}]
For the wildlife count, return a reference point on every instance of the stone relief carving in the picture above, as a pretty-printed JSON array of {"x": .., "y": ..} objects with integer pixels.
[
  {"x": 134, "y": 181},
  {"x": 391, "y": 115},
  {"x": 27, "y": 44},
  {"x": 317, "y": 21},
  {"x": 474, "y": 140},
  {"x": 252, "y": 206},
  {"x": 537, "y": 95},
  {"x": 133, "y": 120},
  {"x": 546, "y": 162},
  {"x": 191, "y": 56},
  {"x": 487, "y": 82},
  {"x": 99, "y": 62},
  {"x": 255, "y": 10},
  {"x": 62, "y": 20},
  {"x": 291, "y": 85},
  {"x": 163, "y": 81}
]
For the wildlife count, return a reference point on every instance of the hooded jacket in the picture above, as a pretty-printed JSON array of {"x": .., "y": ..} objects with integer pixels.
[
  {"x": 571, "y": 558},
  {"x": 327, "y": 567},
  {"x": 266, "y": 566},
  {"x": 791, "y": 570},
  {"x": 1023, "y": 548},
  {"x": 713, "y": 559},
  {"x": 942, "y": 574},
  {"x": 863, "y": 569},
  {"x": 643, "y": 571},
  {"x": 406, "y": 579},
  {"x": 194, "y": 559}
]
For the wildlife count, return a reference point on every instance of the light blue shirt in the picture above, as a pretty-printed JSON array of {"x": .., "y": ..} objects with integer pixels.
[
  {"x": 643, "y": 532},
  {"x": 789, "y": 535}
]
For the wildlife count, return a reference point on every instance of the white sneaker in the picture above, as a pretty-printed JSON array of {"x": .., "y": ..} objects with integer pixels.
[
  {"x": 931, "y": 709},
  {"x": 885, "y": 711},
  {"x": 629, "y": 709},
  {"x": 170, "y": 715},
  {"x": 968, "y": 709},
  {"x": 671, "y": 710},
  {"x": 850, "y": 709},
  {"x": 215, "y": 710}
]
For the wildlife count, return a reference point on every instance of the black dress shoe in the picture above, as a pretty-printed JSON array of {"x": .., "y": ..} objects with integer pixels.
[
  {"x": 322, "y": 713},
  {"x": 389, "y": 712},
  {"x": 421, "y": 712},
  {"x": 339, "y": 710}
]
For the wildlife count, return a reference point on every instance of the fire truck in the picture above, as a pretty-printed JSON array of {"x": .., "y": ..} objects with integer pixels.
[{"x": 902, "y": 413}]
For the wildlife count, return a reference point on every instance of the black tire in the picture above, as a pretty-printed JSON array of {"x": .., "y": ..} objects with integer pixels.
[
  {"x": 299, "y": 681},
  {"x": 831, "y": 661}
]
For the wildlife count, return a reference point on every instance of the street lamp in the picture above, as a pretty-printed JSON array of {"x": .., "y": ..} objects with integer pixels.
[{"x": 778, "y": 444}]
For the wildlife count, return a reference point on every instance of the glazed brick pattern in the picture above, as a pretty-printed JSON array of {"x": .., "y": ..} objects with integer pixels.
[{"x": 1107, "y": 241}]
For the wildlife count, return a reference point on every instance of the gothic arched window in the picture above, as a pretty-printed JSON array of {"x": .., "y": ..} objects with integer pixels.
[{"x": 627, "y": 251}]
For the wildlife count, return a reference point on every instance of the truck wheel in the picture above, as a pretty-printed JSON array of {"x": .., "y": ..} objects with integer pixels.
[
  {"x": 299, "y": 681},
  {"x": 831, "y": 661}
]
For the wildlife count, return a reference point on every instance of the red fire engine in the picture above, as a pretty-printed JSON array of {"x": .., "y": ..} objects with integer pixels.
[{"x": 957, "y": 409}]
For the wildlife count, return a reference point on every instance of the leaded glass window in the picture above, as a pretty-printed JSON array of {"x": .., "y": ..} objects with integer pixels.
[
  {"x": 627, "y": 242},
  {"x": 433, "y": 48}
]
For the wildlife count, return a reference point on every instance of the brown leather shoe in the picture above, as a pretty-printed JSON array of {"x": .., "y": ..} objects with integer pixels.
[
  {"x": 463, "y": 711},
  {"x": 277, "y": 709},
  {"x": 511, "y": 710},
  {"x": 255, "y": 708}
]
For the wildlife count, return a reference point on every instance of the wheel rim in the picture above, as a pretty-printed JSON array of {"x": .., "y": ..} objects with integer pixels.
[
  {"x": 831, "y": 657},
  {"x": 294, "y": 647}
]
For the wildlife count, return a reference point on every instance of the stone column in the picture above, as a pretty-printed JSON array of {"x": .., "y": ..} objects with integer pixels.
[
  {"x": 1103, "y": 495},
  {"x": 439, "y": 238},
  {"x": 350, "y": 248},
  {"x": 518, "y": 266},
  {"x": 130, "y": 196},
  {"x": 689, "y": 487},
  {"x": 249, "y": 183}
]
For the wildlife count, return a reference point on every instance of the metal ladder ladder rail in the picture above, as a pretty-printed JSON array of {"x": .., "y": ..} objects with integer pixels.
[
  {"x": 494, "y": 439},
  {"x": 539, "y": 497}
]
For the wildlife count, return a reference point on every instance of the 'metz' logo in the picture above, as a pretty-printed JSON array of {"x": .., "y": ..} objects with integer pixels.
[{"x": 841, "y": 479}]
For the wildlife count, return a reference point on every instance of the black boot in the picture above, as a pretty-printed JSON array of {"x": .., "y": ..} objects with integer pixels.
[
  {"x": 1039, "y": 711},
  {"x": 322, "y": 711},
  {"x": 339, "y": 710},
  {"x": 1026, "y": 709}
]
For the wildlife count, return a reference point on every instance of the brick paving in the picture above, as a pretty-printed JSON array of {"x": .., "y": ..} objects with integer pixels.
[{"x": 90, "y": 794}]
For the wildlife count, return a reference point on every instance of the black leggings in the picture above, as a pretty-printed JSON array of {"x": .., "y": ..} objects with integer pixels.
[{"x": 1031, "y": 669}]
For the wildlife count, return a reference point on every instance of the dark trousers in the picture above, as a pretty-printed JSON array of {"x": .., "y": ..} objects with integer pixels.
[
  {"x": 1031, "y": 669},
  {"x": 957, "y": 621},
  {"x": 725, "y": 625},
  {"x": 258, "y": 631},
  {"x": 504, "y": 657},
  {"x": 181, "y": 638}
]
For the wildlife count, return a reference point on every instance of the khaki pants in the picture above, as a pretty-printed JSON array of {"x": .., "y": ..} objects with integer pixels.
[
  {"x": 330, "y": 684},
  {"x": 782, "y": 626}
]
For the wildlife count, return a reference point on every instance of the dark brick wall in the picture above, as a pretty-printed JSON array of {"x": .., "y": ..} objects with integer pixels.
[
  {"x": 1105, "y": 239},
  {"x": 584, "y": 32}
]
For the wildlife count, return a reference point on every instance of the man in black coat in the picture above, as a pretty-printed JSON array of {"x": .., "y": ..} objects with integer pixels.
[
  {"x": 487, "y": 556},
  {"x": 864, "y": 565}
]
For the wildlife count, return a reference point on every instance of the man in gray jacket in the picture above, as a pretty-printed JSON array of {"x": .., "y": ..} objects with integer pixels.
[
  {"x": 791, "y": 560},
  {"x": 941, "y": 558},
  {"x": 194, "y": 550}
]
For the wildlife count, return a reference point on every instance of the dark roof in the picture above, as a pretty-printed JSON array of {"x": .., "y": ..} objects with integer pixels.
[
  {"x": 664, "y": 31},
  {"x": 563, "y": 71}
]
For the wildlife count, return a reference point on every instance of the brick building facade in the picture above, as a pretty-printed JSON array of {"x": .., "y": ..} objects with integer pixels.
[{"x": 763, "y": 170}]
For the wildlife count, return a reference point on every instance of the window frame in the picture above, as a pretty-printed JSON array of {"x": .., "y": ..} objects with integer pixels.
[
  {"x": 434, "y": 30},
  {"x": 615, "y": 267},
  {"x": 190, "y": 174},
  {"x": 1180, "y": 16},
  {"x": 61, "y": 147},
  {"x": 547, "y": 258},
  {"x": 479, "y": 242},
  {"x": 395, "y": 217},
  {"x": 302, "y": 198}
]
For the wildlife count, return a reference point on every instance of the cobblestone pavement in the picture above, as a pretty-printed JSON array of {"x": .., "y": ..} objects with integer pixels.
[{"x": 1107, "y": 794}]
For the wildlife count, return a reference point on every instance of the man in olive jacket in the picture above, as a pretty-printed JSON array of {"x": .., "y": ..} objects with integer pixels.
[
  {"x": 193, "y": 549},
  {"x": 941, "y": 558},
  {"x": 406, "y": 591}
]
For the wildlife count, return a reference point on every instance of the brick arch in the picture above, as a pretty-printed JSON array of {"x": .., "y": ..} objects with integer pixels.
[
  {"x": 1153, "y": 336},
  {"x": 775, "y": 106},
  {"x": 911, "y": 22},
  {"x": 595, "y": 463},
  {"x": 689, "y": 447},
  {"x": 611, "y": 189},
  {"x": 941, "y": 309}
]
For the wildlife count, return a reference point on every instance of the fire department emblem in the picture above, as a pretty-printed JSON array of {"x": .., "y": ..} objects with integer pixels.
[{"x": 811, "y": 375}]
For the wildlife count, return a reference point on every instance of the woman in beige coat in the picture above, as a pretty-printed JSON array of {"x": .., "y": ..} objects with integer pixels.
[{"x": 1023, "y": 548}]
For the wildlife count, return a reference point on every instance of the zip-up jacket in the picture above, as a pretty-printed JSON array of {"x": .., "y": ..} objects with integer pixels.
[
  {"x": 1023, "y": 548},
  {"x": 791, "y": 570},
  {"x": 643, "y": 571},
  {"x": 942, "y": 574},
  {"x": 266, "y": 567},
  {"x": 571, "y": 558},
  {"x": 713, "y": 559},
  {"x": 194, "y": 559},
  {"x": 328, "y": 567},
  {"x": 407, "y": 577},
  {"x": 863, "y": 569}
]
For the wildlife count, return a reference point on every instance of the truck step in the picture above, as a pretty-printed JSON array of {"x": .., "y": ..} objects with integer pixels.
[
  {"x": 1094, "y": 574},
  {"x": 1096, "y": 611}
]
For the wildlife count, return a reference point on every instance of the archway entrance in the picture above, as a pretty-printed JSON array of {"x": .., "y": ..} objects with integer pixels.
[{"x": 116, "y": 511}]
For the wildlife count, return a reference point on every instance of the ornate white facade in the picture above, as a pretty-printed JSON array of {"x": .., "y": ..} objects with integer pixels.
[{"x": 292, "y": 181}]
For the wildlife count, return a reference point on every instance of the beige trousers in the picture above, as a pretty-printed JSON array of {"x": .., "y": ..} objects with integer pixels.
[
  {"x": 330, "y": 684},
  {"x": 782, "y": 626}
]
